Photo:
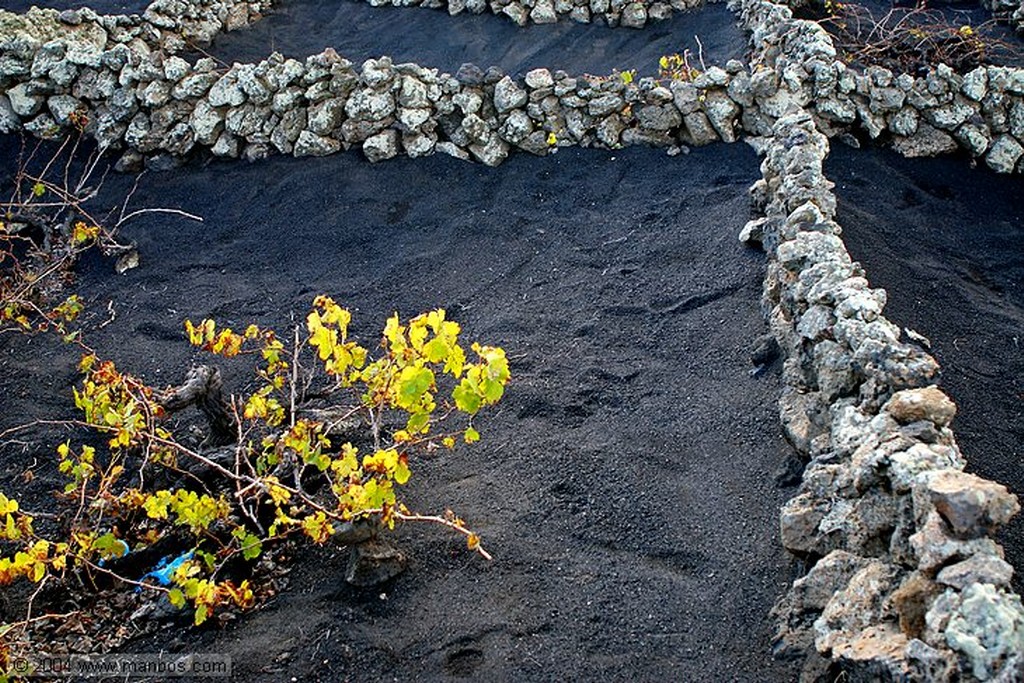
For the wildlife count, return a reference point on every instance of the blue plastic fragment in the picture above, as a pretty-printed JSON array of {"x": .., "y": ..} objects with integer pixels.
[{"x": 164, "y": 571}]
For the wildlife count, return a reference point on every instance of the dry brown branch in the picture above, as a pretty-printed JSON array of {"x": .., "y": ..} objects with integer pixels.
[{"x": 912, "y": 40}]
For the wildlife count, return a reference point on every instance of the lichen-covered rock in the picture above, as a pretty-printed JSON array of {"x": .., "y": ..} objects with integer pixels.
[
  {"x": 383, "y": 145},
  {"x": 492, "y": 153},
  {"x": 985, "y": 625},
  {"x": 311, "y": 144},
  {"x": 926, "y": 141},
  {"x": 798, "y": 524},
  {"x": 862, "y": 604},
  {"x": 226, "y": 91},
  {"x": 722, "y": 112},
  {"x": 539, "y": 78},
  {"x": 508, "y": 95},
  {"x": 325, "y": 116},
  {"x": 369, "y": 105},
  {"x": 934, "y": 545},
  {"x": 905, "y": 466},
  {"x": 1004, "y": 154},
  {"x": 634, "y": 15},
  {"x": 543, "y": 12},
  {"x": 605, "y": 104}
]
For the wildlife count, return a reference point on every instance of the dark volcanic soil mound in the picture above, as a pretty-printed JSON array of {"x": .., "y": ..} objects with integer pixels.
[
  {"x": 948, "y": 245},
  {"x": 624, "y": 486}
]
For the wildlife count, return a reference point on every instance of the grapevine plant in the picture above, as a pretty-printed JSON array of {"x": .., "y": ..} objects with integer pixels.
[{"x": 286, "y": 475}]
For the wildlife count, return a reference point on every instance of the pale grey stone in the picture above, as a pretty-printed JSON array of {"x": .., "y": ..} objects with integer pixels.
[
  {"x": 62, "y": 107},
  {"x": 23, "y": 103},
  {"x": 492, "y": 153},
  {"x": 605, "y": 104},
  {"x": 722, "y": 113},
  {"x": 383, "y": 145},
  {"x": 543, "y": 12},
  {"x": 634, "y": 15},
  {"x": 508, "y": 95},
  {"x": 369, "y": 105},
  {"x": 226, "y": 92},
  {"x": 311, "y": 144},
  {"x": 418, "y": 145},
  {"x": 988, "y": 569},
  {"x": 928, "y": 141},
  {"x": 325, "y": 116},
  {"x": 539, "y": 78}
]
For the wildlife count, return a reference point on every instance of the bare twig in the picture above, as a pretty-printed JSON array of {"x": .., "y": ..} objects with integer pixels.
[{"x": 140, "y": 212}]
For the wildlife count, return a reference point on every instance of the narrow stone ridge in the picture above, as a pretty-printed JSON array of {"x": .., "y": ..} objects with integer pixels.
[
  {"x": 626, "y": 13},
  {"x": 124, "y": 75},
  {"x": 906, "y": 583}
]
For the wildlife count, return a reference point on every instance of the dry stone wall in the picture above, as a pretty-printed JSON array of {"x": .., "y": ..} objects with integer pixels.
[
  {"x": 125, "y": 75},
  {"x": 981, "y": 112},
  {"x": 153, "y": 103},
  {"x": 906, "y": 582},
  {"x": 628, "y": 13}
]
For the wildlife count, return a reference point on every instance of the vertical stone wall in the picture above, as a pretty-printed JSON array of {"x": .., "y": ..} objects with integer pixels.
[{"x": 906, "y": 582}]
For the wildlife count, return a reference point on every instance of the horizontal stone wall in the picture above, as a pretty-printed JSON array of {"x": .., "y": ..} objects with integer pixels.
[
  {"x": 153, "y": 103},
  {"x": 123, "y": 74},
  {"x": 628, "y": 13},
  {"x": 939, "y": 112}
]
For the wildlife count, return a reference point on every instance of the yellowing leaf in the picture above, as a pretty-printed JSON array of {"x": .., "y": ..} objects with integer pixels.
[
  {"x": 176, "y": 597},
  {"x": 435, "y": 350},
  {"x": 402, "y": 472},
  {"x": 471, "y": 435},
  {"x": 466, "y": 398}
]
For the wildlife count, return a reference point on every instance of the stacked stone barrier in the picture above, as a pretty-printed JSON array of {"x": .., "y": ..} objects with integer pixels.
[
  {"x": 153, "y": 103},
  {"x": 627, "y": 13},
  {"x": 906, "y": 582},
  {"x": 126, "y": 76},
  {"x": 981, "y": 112}
]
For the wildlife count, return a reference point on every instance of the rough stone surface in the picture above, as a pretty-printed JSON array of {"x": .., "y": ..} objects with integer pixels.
[
  {"x": 972, "y": 506},
  {"x": 929, "y": 403},
  {"x": 373, "y": 562}
]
